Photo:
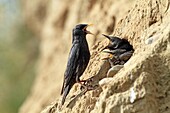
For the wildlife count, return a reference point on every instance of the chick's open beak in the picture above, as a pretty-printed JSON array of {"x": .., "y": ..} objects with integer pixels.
[
  {"x": 85, "y": 29},
  {"x": 110, "y": 56}
]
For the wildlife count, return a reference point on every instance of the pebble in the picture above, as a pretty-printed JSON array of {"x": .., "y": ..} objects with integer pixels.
[
  {"x": 112, "y": 71},
  {"x": 152, "y": 39}
]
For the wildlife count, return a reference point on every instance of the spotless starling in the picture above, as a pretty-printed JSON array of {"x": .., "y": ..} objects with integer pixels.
[
  {"x": 120, "y": 50},
  {"x": 118, "y": 56},
  {"x": 118, "y": 43},
  {"x": 78, "y": 59}
]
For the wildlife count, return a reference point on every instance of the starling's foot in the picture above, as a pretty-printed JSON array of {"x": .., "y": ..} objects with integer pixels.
[
  {"x": 88, "y": 85},
  {"x": 83, "y": 88},
  {"x": 83, "y": 81}
]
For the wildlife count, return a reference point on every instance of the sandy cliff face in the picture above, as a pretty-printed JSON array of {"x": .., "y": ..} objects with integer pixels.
[{"x": 141, "y": 86}]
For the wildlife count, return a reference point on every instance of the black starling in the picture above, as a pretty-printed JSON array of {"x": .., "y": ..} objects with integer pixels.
[
  {"x": 118, "y": 56},
  {"x": 120, "y": 50},
  {"x": 78, "y": 59},
  {"x": 117, "y": 43}
]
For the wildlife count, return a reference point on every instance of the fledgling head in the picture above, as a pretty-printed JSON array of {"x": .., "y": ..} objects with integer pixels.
[
  {"x": 81, "y": 30},
  {"x": 113, "y": 40},
  {"x": 118, "y": 43}
]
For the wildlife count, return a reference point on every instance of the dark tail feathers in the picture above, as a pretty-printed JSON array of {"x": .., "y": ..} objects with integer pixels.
[{"x": 65, "y": 93}]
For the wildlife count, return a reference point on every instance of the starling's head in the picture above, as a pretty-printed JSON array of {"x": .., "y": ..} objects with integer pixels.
[
  {"x": 112, "y": 38},
  {"x": 114, "y": 41},
  {"x": 81, "y": 29}
]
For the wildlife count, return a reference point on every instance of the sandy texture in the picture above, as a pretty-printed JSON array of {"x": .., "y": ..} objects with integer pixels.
[{"x": 141, "y": 86}]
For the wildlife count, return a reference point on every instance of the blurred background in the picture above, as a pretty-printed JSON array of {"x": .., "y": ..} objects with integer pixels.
[
  {"x": 18, "y": 55},
  {"x": 40, "y": 30},
  {"x": 35, "y": 39}
]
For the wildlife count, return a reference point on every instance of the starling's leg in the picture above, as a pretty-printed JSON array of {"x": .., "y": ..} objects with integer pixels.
[
  {"x": 80, "y": 82},
  {"x": 86, "y": 86}
]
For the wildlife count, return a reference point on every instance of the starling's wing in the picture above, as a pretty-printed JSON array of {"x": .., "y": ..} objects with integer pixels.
[
  {"x": 71, "y": 65},
  {"x": 83, "y": 61}
]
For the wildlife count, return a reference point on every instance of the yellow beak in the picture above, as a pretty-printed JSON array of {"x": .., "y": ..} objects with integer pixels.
[{"x": 88, "y": 32}]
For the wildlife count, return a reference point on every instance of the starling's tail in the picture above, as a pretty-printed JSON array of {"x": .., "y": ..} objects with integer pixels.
[
  {"x": 62, "y": 89},
  {"x": 65, "y": 92}
]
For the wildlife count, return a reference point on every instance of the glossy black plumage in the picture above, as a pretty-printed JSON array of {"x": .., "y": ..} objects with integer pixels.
[
  {"x": 118, "y": 43},
  {"x": 78, "y": 59},
  {"x": 120, "y": 50}
]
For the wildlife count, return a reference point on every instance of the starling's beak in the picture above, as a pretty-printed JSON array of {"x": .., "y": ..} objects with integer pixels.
[
  {"x": 107, "y": 51},
  {"x": 109, "y": 57},
  {"x": 116, "y": 51},
  {"x": 88, "y": 32},
  {"x": 107, "y": 36}
]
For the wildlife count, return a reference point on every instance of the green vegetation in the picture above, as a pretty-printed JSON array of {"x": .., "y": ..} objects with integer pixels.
[
  {"x": 17, "y": 68},
  {"x": 18, "y": 54}
]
